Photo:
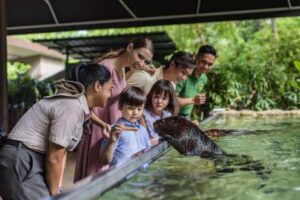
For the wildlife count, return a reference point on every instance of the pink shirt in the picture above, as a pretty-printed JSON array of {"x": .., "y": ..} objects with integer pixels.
[
  {"x": 110, "y": 113},
  {"x": 88, "y": 158}
]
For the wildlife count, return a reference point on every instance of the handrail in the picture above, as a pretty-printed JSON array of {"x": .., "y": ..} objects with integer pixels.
[{"x": 94, "y": 186}]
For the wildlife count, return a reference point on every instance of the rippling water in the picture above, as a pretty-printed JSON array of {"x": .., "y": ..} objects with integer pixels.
[{"x": 262, "y": 165}]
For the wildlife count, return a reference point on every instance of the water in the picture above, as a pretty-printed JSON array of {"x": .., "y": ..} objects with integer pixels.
[{"x": 270, "y": 168}]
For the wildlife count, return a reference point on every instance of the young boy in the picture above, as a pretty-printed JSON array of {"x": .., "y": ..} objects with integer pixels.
[{"x": 128, "y": 136}]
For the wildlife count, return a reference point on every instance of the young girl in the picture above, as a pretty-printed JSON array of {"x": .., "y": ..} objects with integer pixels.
[
  {"x": 161, "y": 103},
  {"x": 128, "y": 136}
]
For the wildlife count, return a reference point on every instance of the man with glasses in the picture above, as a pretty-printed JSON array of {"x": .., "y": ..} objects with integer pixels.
[{"x": 190, "y": 92}]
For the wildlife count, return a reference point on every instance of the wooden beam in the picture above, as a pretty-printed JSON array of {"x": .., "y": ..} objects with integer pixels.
[{"x": 3, "y": 68}]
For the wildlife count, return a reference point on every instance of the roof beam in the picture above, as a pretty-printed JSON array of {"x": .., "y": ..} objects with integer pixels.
[
  {"x": 198, "y": 6},
  {"x": 52, "y": 11},
  {"x": 290, "y": 4},
  {"x": 3, "y": 68},
  {"x": 128, "y": 9},
  {"x": 78, "y": 51},
  {"x": 157, "y": 18},
  {"x": 104, "y": 45}
]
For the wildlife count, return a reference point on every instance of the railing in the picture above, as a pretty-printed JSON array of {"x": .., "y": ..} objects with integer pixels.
[{"x": 94, "y": 186}]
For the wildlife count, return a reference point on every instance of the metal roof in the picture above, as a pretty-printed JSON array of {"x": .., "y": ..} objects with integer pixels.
[
  {"x": 59, "y": 15},
  {"x": 89, "y": 48}
]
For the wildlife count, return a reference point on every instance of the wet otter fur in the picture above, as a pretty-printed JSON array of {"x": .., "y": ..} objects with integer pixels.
[{"x": 186, "y": 137}]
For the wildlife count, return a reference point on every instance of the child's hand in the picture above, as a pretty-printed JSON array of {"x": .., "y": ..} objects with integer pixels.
[
  {"x": 116, "y": 132},
  {"x": 106, "y": 130}
]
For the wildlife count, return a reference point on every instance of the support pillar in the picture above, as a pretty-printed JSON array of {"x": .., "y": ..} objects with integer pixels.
[{"x": 3, "y": 68}]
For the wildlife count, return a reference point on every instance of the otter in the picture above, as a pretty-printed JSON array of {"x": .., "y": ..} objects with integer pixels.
[{"x": 186, "y": 137}]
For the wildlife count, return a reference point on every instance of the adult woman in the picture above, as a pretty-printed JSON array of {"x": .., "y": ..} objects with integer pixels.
[
  {"x": 137, "y": 53},
  {"x": 31, "y": 160}
]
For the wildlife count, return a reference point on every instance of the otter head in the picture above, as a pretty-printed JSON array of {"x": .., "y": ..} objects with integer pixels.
[
  {"x": 171, "y": 127},
  {"x": 185, "y": 136}
]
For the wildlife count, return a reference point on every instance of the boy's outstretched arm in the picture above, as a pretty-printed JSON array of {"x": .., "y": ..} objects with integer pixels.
[{"x": 107, "y": 152}]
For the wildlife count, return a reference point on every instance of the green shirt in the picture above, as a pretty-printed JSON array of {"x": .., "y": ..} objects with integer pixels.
[{"x": 190, "y": 88}]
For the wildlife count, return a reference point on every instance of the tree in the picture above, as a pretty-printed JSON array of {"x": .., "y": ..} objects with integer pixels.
[{"x": 256, "y": 59}]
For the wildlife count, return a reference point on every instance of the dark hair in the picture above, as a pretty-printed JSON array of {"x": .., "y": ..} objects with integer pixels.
[
  {"x": 140, "y": 42},
  {"x": 206, "y": 49},
  {"x": 166, "y": 87},
  {"x": 182, "y": 58},
  {"x": 132, "y": 96},
  {"x": 88, "y": 74}
]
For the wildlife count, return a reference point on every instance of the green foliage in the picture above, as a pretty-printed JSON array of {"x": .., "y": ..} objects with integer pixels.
[
  {"x": 257, "y": 67},
  {"x": 295, "y": 82},
  {"x": 16, "y": 68},
  {"x": 23, "y": 91}
]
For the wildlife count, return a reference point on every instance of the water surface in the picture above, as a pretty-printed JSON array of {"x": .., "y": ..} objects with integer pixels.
[{"x": 269, "y": 169}]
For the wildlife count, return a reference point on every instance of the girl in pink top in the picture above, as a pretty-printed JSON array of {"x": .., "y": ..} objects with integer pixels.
[{"x": 137, "y": 53}]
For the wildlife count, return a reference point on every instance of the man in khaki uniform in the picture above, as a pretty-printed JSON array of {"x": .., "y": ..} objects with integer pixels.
[{"x": 31, "y": 159}]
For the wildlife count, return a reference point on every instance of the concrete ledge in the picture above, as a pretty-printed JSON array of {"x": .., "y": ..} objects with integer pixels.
[{"x": 266, "y": 113}]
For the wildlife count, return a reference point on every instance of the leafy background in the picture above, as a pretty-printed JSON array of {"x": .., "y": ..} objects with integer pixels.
[
  {"x": 257, "y": 68},
  {"x": 23, "y": 91}
]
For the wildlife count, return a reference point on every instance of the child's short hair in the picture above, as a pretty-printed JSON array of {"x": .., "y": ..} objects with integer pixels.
[
  {"x": 163, "y": 86},
  {"x": 132, "y": 96}
]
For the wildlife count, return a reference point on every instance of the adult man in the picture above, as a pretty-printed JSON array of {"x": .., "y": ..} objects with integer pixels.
[
  {"x": 190, "y": 92},
  {"x": 177, "y": 69}
]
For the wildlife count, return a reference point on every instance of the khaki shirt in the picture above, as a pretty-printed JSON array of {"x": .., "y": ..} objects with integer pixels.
[{"x": 58, "y": 119}]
